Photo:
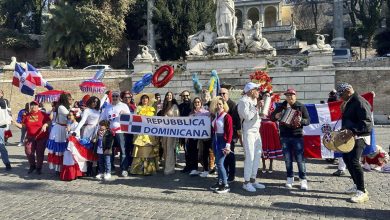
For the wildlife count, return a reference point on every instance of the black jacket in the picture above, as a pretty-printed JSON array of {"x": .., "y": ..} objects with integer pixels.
[
  {"x": 291, "y": 132},
  {"x": 357, "y": 116},
  {"x": 185, "y": 108},
  {"x": 107, "y": 142},
  {"x": 236, "y": 118}
]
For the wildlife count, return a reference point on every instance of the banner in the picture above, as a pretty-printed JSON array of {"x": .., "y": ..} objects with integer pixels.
[{"x": 182, "y": 127}]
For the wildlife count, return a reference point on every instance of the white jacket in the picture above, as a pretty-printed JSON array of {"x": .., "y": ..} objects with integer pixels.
[{"x": 249, "y": 114}]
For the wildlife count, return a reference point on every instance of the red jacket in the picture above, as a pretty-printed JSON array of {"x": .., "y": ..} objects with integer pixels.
[{"x": 228, "y": 128}]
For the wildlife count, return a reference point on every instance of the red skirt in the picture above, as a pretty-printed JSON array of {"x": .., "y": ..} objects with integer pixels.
[{"x": 270, "y": 140}]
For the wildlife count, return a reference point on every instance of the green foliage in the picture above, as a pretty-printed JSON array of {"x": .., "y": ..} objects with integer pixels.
[
  {"x": 136, "y": 21},
  {"x": 58, "y": 63},
  {"x": 177, "y": 19},
  {"x": 12, "y": 39},
  {"x": 382, "y": 42}
]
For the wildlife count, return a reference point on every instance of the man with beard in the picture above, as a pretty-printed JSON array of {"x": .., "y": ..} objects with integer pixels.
[{"x": 185, "y": 110}]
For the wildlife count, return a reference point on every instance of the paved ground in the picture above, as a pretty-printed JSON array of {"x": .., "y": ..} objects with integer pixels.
[{"x": 179, "y": 196}]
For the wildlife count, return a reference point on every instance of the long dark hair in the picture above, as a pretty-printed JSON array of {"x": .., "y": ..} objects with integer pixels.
[
  {"x": 168, "y": 105},
  {"x": 64, "y": 100},
  {"x": 91, "y": 100},
  {"x": 142, "y": 97},
  {"x": 193, "y": 104}
]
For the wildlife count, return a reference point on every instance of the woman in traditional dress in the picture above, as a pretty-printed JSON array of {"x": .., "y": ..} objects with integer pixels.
[
  {"x": 269, "y": 136},
  {"x": 170, "y": 109},
  {"x": 145, "y": 153},
  {"x": 57, "y": 142}
]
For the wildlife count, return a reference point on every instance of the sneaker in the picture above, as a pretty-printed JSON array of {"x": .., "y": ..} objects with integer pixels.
[
  {"x": 8, "y": 166},
  {"x": 99, "y": 176},
  {"x": 185, "y": 170},
  {"x": 249, "y": 187},
  {"x": 366, "y": 167},
  {"x": 304, "y": 184},
  {"x": 125, "y": 173},
  {"x": 263, "y": 170},
  {"x": 215, "y": 186},
  {"x": 20, "y": 144},
  {"x": 204, "y": 174},
  {"x": 258, "y": 185},
  {"x": 230, "y": 180},
  {"x": 338, "y": 173},
  {"x": 289, "y": 183},
  {"x": 107, "y": 176},
  {"x": 223, "y": 189},
  {"x": 39, "y": 171},
  {"x": 194, "y": 173},
  {"x": 360, "y": 197},
  {"x": 351, "y": 190},
  {"x": 212, "y": 171},
  {"x": 32, "y": 168}
]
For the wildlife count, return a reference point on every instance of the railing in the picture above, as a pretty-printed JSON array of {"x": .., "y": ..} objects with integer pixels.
[
  {"x": 180, "y": 66},
  {"x": 285, "y": 44},
  {"x": 287, "y": 61}
]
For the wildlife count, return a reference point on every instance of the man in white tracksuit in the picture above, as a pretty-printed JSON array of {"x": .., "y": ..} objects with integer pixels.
[{"x": 248, "y": 109}]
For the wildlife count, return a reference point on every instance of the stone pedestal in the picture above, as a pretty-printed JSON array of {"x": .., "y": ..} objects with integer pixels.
[
  {"x": 320, "y": 58},
  {"x": 143, "y": 66}
]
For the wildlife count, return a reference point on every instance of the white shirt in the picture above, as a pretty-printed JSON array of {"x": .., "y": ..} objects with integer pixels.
[
  {"x": 62, "y": 115},
  {"x": 90, "y": 117},
  {"x": 249, "y": 114},
  {"x": 220, "y": 124},
  {"x": 112, "y": 113}
]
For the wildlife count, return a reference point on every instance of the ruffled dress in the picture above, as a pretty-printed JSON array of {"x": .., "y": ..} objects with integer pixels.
[{"x": 270, "y": 137}]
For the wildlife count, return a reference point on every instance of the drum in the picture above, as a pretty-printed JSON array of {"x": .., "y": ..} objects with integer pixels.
[
  {"x": 340, "y": 141},
  {"x": 291, "y": 118}
]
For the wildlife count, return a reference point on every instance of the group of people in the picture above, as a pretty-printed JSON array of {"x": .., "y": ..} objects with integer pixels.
[{"x": 262, "y": 135}]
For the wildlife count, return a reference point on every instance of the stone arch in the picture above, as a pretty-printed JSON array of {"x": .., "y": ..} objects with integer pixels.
[
  {"x": 270, "y": 16},
  {"x": 254, "y": 15},
  {"x": 239, "y": 16}
]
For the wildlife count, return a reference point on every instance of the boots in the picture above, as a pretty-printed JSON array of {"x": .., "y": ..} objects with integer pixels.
[
  {"x": 8, "y": 166},
  {"x": 211, "y": 161}
]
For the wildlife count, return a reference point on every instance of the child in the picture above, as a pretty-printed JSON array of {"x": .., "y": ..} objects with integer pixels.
[
  {"x": 376, "y": 161},
  {"x": 72, "y": 122},
  {"x": 104, "y": 141}
]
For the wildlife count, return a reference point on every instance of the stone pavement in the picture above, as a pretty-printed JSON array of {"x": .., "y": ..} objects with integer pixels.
[{"x": 179, "y": 196}]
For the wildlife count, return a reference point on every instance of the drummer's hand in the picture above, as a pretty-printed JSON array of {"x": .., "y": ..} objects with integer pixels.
[
  {"x": 260, "y": 103},
  {"x": 278, "y": 115}
]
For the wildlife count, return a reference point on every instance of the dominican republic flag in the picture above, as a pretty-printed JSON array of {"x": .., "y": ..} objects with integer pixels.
[
  {"x": 23, "y": 80},
  {"x": 323, "y": 117},
  {"x": 37, "y": 77}
]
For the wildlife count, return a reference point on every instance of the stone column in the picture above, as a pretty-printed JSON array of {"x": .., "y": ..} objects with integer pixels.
[
  {"x": 150, "y": 26},
  {"x": 338, "y": 24}
]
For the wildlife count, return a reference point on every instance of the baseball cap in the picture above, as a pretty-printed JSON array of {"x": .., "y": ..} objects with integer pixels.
[
  {"x": 290, "y": 91},
  {"x": 342, "y": 87},
  {"x": 249, "y": 86}
]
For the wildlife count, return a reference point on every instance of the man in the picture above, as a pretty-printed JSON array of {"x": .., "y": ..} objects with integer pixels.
[
  {"x": 158, "y": 103},
  {"x": 112, "y": 113},
  {"x": 248, "y": 109},
  {"x": 230, "y": 161},
  {"x": 291, "y": 137},
  {"x": 3, "y": 151},
  {"x": 185, "y": 110},
  {"x": 202, "y": 41},
  {"x": 357, "y": 118}
]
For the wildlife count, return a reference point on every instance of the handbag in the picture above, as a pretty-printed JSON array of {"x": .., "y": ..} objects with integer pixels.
[{"x": 5, "y": 118}]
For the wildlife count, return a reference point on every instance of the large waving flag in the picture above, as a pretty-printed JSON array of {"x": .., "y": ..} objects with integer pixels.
[
  {"x": 323, "y": 117},
  {"x": 23, "y": 80},
  {"x": 37, "y": 77}
]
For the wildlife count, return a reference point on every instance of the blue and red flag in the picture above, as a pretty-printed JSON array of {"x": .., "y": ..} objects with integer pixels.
[
  {"x": 23, "y": 80},
  {"x": 322, "y": 118},
  {"x": 37, "y": 77}
]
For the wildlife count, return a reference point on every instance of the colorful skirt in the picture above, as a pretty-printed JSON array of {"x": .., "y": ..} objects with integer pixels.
[
  {"x": 270, "y": 140},
  {"x": 56, "y": 146},
  {"x": 145, "y": 160}
]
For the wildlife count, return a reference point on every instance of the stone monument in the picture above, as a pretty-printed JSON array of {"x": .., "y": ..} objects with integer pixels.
[
  {"x": 11, "y": 66},
  {"x": 338, "y": 25},
  {"x": 251, "y": 40},
  {"x": 202, "y": 42},
  {"x": 226, "y": 23}
]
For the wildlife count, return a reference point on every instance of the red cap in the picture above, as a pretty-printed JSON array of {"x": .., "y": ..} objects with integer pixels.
[
  {"x": 85, "y": 99},
  {"x": 290, "y": 91}
]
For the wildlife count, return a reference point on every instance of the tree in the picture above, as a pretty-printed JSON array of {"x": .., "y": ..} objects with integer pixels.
[
  {"x": 382, "y": 43},
  {"x": 136, "y": 21},
  {"x": 177, "y": 19},
  {"x": 369, "y": 14},
  {"x": 13, "y": 13},
  {"x": 309, "y": 14},
  {"x": 36, "y": 8}
]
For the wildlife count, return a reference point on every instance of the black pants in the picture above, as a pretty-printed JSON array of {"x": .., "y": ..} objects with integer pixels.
[
  {"x": 352, "y": 160},
  {"x": 206, "y": 154},
  {"x": 230, "y": 163},
  {"x": 192, "y": 154}
]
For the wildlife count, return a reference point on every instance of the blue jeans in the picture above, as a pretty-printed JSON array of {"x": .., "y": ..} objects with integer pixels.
[
  {"x": 104, "y": 163},
  {"x": 125, "y": 142},
  {"x": 293, "y": 146},
  {"x": 219, "y": 144},
  {"x": 4, "y": 154}
]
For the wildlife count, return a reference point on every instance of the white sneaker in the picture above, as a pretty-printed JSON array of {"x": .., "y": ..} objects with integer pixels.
[
  {"x": 249, "y": 187},
  {"x": 107, "y": 176},
  {"x": 20, "y": 144},
  {"x": 304, "y": 185},
  {"x": 204, "y": 174},
  {"x": 289, "y": 183},
  {"x": 360, "y": 197},
  {"x": 194, "y": 173},
  {"x": 258, "y": 185},
  {"x": 99, "y": 176},
  {"x": 351, "y": 190}
]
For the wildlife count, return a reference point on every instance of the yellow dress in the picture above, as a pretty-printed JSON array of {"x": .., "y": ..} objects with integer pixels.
[{"x": 145, "y": 153}]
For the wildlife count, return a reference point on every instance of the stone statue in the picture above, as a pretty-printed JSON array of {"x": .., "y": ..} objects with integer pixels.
[
  {"x": 320, "y": 45},
  {"x": 145, "y": 55},
  {"x": 11, "y": 66},
  {"x": 293, "y": 30},
  {"x": 202, "y": 41},
  {"x": 225, "y": 18},
  {"x": 252, "y": 41}
]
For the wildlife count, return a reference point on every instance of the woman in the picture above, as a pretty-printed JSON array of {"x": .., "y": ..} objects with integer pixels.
[
  {"x": 145, "y": 153},
  {"x": 86, "y": 130},
  {"x": 269, "y": 136},
  {"x": 170, "y": 109},
  {"x": 222, "y": 127},
  {"x": 192, "y": 150},
  {"x": 36, "y": 124},
  {"x": 58, "y": 135}
]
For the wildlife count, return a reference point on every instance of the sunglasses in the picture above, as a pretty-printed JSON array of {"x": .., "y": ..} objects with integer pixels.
[
  {"x": 115, "y": 96},
  {"x": 186, "y": 95},
  {"x": 222, "y": 93},
  {"x": 127, "y": 97}
]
